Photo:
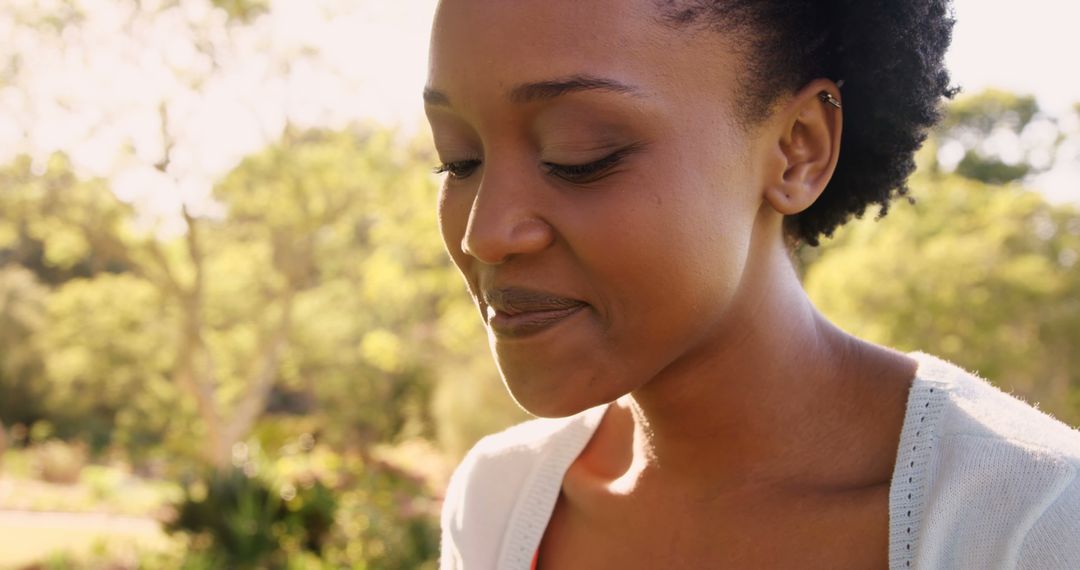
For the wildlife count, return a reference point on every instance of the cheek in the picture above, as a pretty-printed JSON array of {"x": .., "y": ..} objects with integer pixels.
[
  {"x": 453, "y": 211},
  {"x": 674, "y": 239},
  {"x": 685, "y": 270},
  {"x": 666, "y": 259}
]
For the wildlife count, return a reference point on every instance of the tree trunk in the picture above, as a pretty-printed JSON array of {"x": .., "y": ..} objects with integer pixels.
[{"x": 3, "y": 445}]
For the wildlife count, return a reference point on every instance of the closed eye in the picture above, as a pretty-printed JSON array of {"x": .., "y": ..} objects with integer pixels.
[
  {"x": 589, "y": 172},
  {"x": 459, "y": 169}
]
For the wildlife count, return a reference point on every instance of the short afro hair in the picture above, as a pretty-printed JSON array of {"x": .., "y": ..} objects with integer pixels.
[{"x": 889, "y": 56}]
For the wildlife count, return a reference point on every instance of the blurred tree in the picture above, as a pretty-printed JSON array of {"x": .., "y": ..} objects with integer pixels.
[
  {"x": 22, "y": 317},
  {"x": 389, "y": 328},
  {"x": 241, "y": 10},
  {"x": 998, "y": 137},
  {"x": 325, "y": 276},
  {"x": 106, "y": 335},
  {"x": 983, "y": 276},
  {"x": 109, "y": 342},
  {"x": 311, "y": 297},
  {"x": 349, "y": 219},
  {"x": 21, "y": 249}
]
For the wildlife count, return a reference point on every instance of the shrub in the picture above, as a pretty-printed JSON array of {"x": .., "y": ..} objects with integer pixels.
[
  {"x": 60, "y": 462},
  {"x": 241, "y": 521}
]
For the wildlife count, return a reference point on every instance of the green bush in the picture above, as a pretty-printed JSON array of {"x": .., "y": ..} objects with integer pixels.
[{"x": 238, "y": 520}]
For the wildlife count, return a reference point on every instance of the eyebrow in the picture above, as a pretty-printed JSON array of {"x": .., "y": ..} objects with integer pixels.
[{"x": 546, "y": 90}]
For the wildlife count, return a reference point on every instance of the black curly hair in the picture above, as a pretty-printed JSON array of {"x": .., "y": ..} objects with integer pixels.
[{"x": 888, "y": 54}]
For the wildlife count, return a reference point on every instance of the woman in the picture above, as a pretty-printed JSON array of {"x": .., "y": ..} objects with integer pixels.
[{"x": 624, "y": 182}]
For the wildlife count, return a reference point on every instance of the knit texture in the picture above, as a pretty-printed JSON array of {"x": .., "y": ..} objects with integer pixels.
[
  {"x": 1000, "y": 482},
  {"x": 982, "y": 480},
  {"x": 908, "y": 492}
]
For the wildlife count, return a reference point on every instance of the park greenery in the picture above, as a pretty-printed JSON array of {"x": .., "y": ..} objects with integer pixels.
[
  {"x": 320, "y": 307},
  {"x": 287, "y": 381}
]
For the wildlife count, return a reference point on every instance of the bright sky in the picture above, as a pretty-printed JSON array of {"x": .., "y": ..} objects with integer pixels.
[
  {"x": 1027, "y": 47},
  {"x": 371, "y": 66},
  {"x": 1030, "y": 46}
]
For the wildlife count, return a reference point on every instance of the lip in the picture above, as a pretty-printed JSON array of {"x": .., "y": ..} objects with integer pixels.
[{"x": 514, "y": 312}]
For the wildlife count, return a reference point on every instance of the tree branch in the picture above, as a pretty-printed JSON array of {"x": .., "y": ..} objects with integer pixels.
[{"x": 263, "y": 372}]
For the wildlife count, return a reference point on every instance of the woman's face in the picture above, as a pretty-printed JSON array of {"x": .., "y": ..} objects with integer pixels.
[{"x": 600, "y": 195}]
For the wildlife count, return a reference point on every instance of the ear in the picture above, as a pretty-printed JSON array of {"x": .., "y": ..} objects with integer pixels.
[{"x": 807, "y": 146}]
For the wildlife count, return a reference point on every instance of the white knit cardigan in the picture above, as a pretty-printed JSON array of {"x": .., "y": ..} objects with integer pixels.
[{"x": 982, "y": 481}]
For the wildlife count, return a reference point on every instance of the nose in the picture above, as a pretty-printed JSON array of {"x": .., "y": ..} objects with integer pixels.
[{"x": 505, "y": 222}]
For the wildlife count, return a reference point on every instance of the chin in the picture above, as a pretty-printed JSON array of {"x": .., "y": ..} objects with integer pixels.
[
  {"x": 547, "y": 397},
  {"x": 545, "y": 409}
]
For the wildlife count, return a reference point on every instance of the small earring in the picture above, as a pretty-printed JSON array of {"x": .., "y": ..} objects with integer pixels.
[{"x": 827, "y": 97}]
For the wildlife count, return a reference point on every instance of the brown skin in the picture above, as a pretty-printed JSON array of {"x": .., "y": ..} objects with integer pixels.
[{"x": 748, "y": 431}]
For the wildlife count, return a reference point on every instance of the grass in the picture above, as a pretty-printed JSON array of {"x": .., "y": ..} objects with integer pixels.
[
  {"x": 106, "y": 511},
  {"x": 98, "y": 489}
]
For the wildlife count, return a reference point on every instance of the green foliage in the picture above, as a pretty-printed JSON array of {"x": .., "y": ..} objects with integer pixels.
[
  {"x": 350, "y": 509},
  {"x": 471, "y": 401},
  {"x": 248, "y": 524},
  {"x": 22, "y": 358},
  {"x": 242, "y": 11},
  {"x": 982, "y": 113},
  {"x": 990, "y": 170},
  {"x": 318, "y": 296},
  {"x": 58, "y": 224},
  {"x": 325, "y": 280},
  {"x": 328, "y": 237},
  {"x": 52, "y": 223},
  {"x": 983, "y": 276},
  {"x": 108, "y": 361},
  {"x": 981, "y": 124},
  {"x": 356, "y": 213},
  {"x": 386, "y": 517},
  {"x": 388, "y": 520}
]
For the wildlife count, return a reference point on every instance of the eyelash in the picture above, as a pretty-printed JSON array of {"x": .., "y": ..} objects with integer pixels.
[
  {"x": 586, "y": 172},
  {"x": 579, "y": 173},
  {"x": 455, "y": 169}
]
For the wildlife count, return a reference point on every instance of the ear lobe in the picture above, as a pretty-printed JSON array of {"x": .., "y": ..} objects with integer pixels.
[{"x": 809, "y": 146}]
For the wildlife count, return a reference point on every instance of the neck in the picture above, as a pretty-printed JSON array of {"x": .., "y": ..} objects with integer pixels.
[{"x": 777, "y": 394}]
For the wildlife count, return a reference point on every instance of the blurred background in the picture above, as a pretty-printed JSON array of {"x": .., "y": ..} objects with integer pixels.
[{"x": 229, "y": 334}]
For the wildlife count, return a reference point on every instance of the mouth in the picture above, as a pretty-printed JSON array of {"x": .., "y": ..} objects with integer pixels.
[{"x": 519, "y": 313}]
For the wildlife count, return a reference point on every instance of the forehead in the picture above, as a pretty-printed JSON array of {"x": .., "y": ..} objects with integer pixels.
[
  {"x": 543, "y": 23},
  {"x": 483, "y": 48}
]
